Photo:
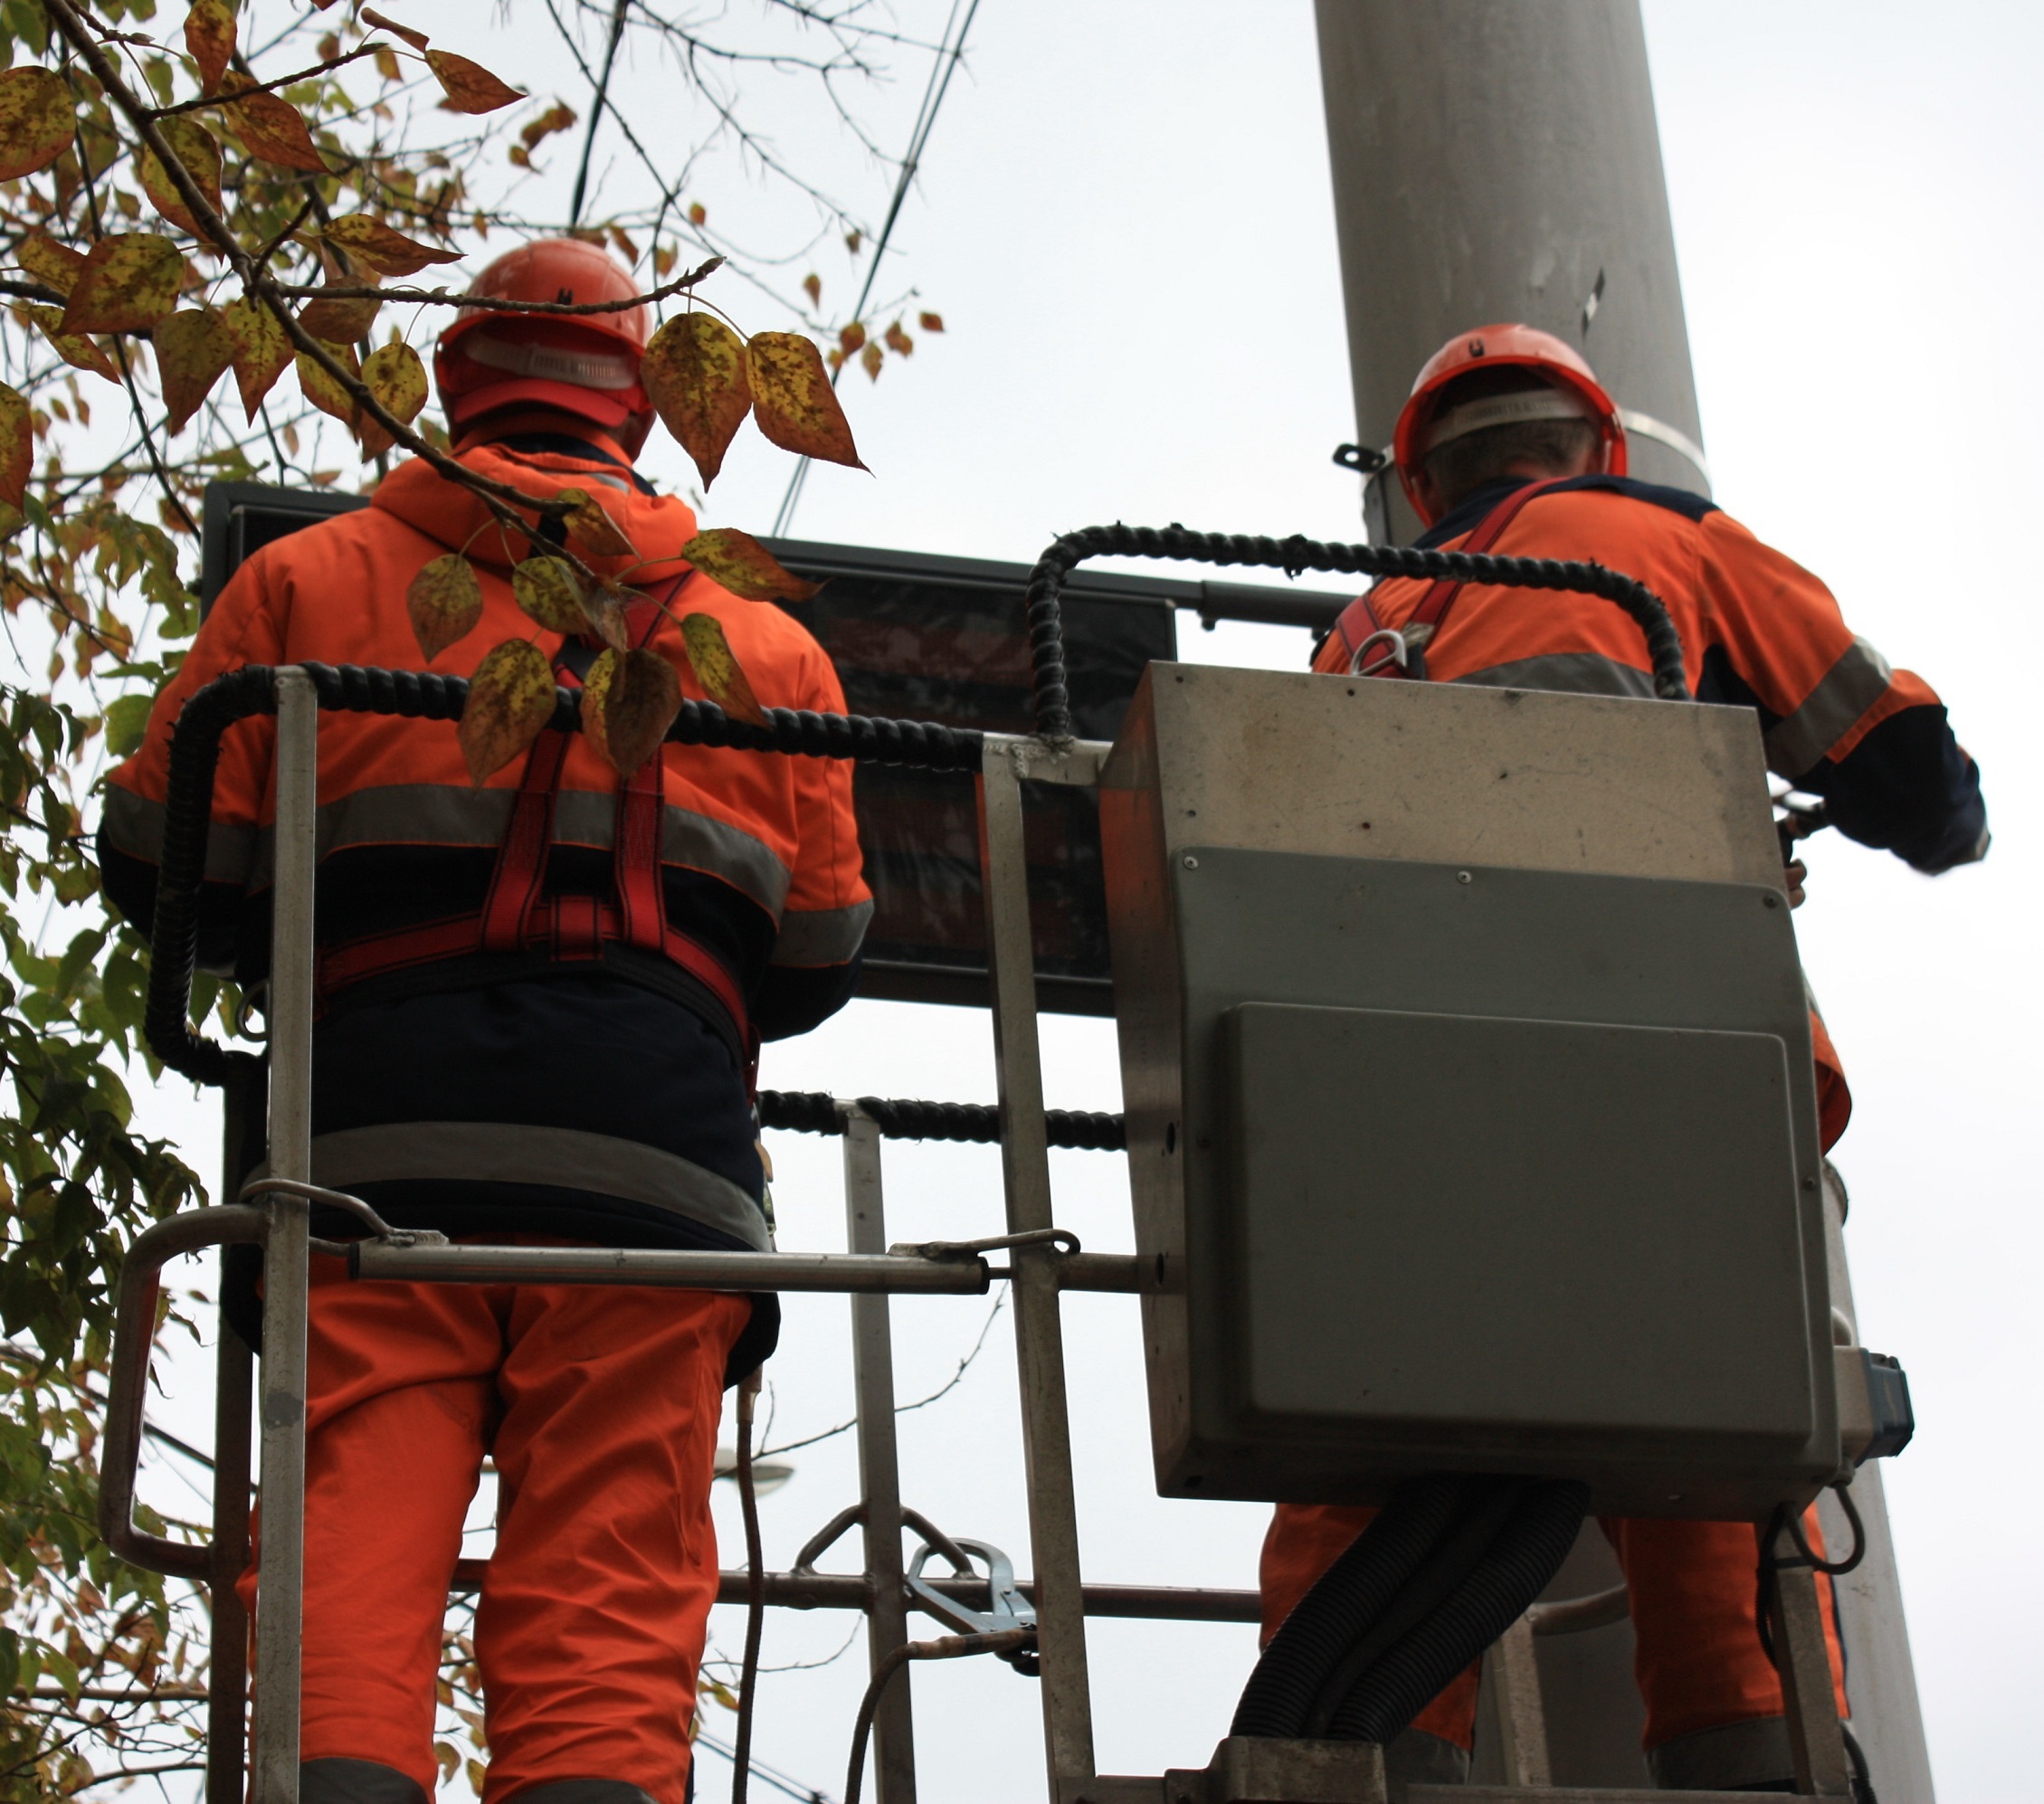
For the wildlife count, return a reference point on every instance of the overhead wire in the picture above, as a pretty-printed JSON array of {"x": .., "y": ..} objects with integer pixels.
[{"x": 951, "y": 50}]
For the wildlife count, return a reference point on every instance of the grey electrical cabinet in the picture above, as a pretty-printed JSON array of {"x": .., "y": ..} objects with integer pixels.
[{"x": 1471, "y": 1116}]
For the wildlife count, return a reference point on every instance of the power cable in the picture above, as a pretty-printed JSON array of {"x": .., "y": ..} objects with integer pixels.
[
  {"x": 949, "y": 53},
  {"x": 755, "y": 1588}
]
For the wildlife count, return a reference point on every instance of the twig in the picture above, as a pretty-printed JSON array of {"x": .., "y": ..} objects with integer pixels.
[
  {"x": 353, "y": 56},
  {"x": 499, "y": 498},
  {"x": 596, "y": 111},
  {"x": 440, "y": 297}
]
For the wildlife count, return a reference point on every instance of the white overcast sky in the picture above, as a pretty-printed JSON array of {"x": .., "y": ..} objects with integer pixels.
[{"x": 1124, "y": 218}]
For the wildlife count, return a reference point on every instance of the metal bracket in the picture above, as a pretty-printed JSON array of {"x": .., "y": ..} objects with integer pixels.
[{"x": 1006, "y": 1610}]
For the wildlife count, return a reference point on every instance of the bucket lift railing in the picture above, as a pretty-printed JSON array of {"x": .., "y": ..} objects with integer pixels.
[{"x": 1040, "y": 1264}]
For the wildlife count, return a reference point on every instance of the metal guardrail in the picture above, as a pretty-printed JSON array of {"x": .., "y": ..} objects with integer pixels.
[{"x": 1036, "y": 1269}]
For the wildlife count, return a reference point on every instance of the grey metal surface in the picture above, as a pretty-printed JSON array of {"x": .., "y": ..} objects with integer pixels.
[
  {"x": 1246, "y": 1769},
  {"x": 1888, "y": 1718},
  {"x": 227, "y": 1669},
  {"x": 1540, "y": 1249},
  {"x": 1274, "y": 838},
  {"x": 1025, "y": 1169},
  {"x": 880, "y": 1469},
  {"x": 1496, "y": 161},
  {"x": 281, "y": 1561},
  {"x": 1596, "y": 1720},
  {"x": 683, "y": 1270},
  {"x": 1287, "y": 762},
  {"x": 1145, "y": 1603},
  {"x": 1513, "y": 1714},
  {"x": 1802, "y": 1658}
]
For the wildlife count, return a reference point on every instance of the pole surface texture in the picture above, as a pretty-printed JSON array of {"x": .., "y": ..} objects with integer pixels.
[{"x": 1493, "y": 162}]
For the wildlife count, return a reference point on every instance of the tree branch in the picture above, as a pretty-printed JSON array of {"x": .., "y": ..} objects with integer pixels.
[{"x": 440, "y": 297}]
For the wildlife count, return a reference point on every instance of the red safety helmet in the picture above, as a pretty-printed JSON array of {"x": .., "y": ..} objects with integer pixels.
[
  {"x": 1501, "y": 347},
  {"x": 586, "y": 364}
]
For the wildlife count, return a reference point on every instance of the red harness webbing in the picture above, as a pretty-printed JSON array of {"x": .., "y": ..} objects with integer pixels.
[
  {"x": 519, "y": 915},
  {"x": 1434, "y": 604}
]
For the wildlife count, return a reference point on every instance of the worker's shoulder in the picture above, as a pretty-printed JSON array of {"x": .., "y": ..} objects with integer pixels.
[
  {"x": 772, "y": 629},
  {"x": 1675, "y": 503},
  {"x": 324, "y": 546}
]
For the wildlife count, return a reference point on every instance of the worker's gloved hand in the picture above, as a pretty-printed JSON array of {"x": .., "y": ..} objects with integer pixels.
[{"x": 1795, "y": 872}]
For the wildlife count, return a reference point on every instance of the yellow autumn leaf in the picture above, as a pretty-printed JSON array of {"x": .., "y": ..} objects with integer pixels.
[
  {"x": 718, "y": 669},
  {"x": 77, "y": 350},
  {"x": 270, "y": 128},
  {"x": 209, "y": 35},
  {"x": 591, "y": 530},
  {"x": 336, "y": 319},
  {"x": 417, "y": 40},
  {"x": 444, "y": 602},
  {"x": 37, "y": 119},
  {"x": 17, "y": 446},
  {"x": 197, "y": 151},
  {"x": 547, "y": 588},
  {"x": 382, "y": 248},
  {"x": 694, "y": 373},
  {"x": 54, "y": 265},
  {"x": 194, "y": 347},
  {"x": 261, "y": 350},
  {"x": 510, "y": 701},
  {"x": 792, "y": 398},
  {"x": 394, "y": 374},
  {"x": 469, "y": 87},
  {"x": 129, "y": 281},
  {"x": 742, "y": 564},
  {"x": 320, "y": 388},
  {"x": 628, "y": 700}
]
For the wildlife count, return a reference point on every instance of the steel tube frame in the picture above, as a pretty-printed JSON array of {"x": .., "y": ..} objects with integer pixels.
[
  {"x": 867, "y": 1271},
  {"x": 281, "y": 1557},
  {"x": 1025, "y": 1169},
  {"x": 885, "y": 1597}
]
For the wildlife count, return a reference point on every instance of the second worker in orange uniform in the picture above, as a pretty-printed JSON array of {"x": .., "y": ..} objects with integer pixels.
[{"x": 1509, "y": 444}]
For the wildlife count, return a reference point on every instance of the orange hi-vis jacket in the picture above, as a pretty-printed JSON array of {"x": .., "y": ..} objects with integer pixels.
[
  {"x": 594, "y": 1089},
  {"x": 1757, "y": 632}
]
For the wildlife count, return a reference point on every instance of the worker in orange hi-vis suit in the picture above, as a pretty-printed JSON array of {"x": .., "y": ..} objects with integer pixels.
[
  {"x": 1509, "y": 444},
  {"x": 541, "y": 1003}
]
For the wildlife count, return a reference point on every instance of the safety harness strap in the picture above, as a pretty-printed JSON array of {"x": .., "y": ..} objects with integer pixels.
[
  {"x": 519, "y": 915},
  {"x": 1359, "y": 620}
]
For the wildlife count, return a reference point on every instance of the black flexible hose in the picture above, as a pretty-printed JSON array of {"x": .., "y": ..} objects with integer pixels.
[
  {"x": 1044, "y": 615},
  {"x": 1462, "y": 1553},
  {"x": 1527, "y": 1552},
  {"x": 1340, "y": 1608},
  {"x": 899, "y": 1118}
]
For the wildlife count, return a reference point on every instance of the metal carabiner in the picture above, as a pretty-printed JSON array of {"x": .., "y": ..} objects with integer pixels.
[
  {"x": 1389, "y": 635},
  {"x": 1008, "y": 1608}
]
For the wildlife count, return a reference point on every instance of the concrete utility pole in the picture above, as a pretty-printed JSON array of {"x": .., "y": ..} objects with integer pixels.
[{"x": 1498, "y": 160}]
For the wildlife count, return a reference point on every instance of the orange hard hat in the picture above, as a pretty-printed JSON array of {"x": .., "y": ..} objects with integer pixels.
[
  {"x": 1421, "y": 427},
  {"x": 585, "y": 363}
]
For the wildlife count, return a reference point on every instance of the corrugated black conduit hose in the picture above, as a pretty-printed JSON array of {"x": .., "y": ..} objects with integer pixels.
[
  {"x": 1449, "y": 1564},
  {"x": 1047, "y": 580},
  {"x": 195, "y": 757}
]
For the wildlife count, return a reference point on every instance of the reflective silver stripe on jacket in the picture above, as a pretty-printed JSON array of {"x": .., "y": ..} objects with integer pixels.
[
  {"x": 437, "y": 814},
  {"x": 1579, "y": 673},
  {"x": 563, "y": 1158},
  {"x": 1858, "y": 680},
  {"x": 818, "y": 936},
  {"x": 134, "y": 824}
]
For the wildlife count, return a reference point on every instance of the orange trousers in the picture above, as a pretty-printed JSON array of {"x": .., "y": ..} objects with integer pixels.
[
  {"x": 1695, "y": 1590},
  {"x": 601, "y": 1407}
]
